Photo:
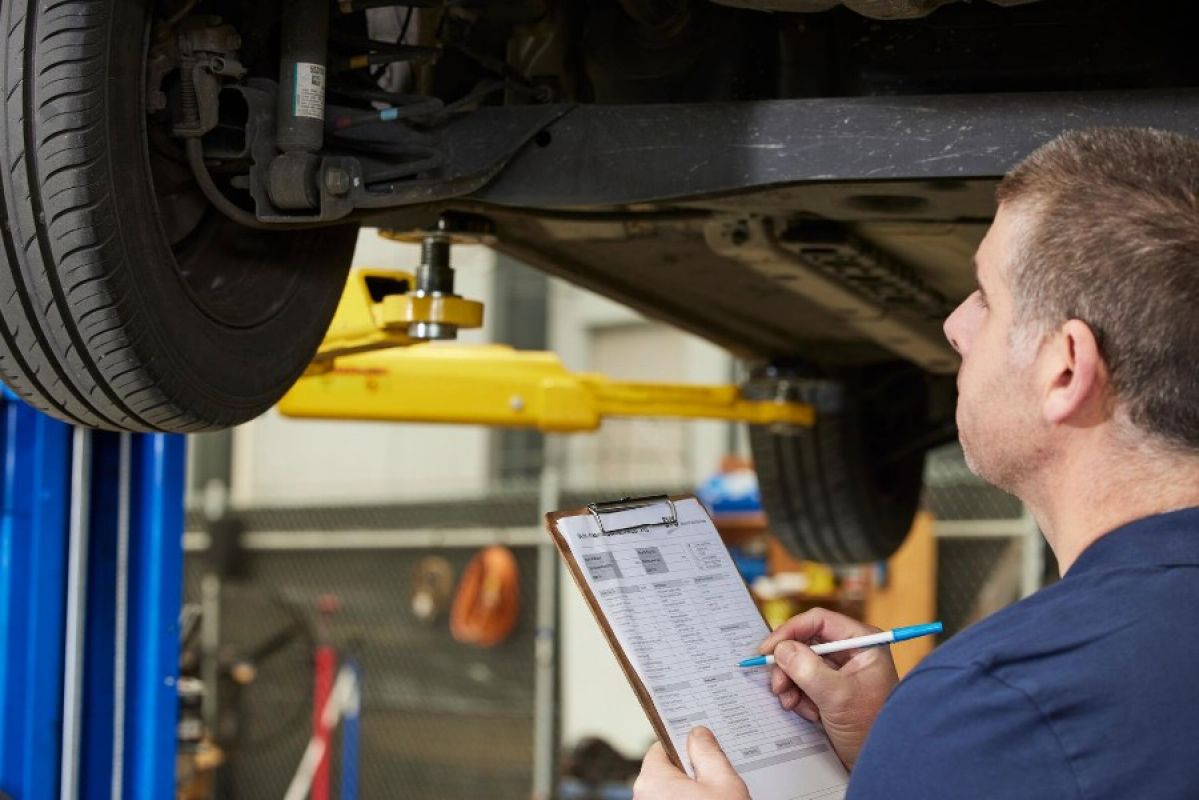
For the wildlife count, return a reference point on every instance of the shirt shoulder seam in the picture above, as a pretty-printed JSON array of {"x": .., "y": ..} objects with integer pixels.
[{"x": 986, "y": 673}]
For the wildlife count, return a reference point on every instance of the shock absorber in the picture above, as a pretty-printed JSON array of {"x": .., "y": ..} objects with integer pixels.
[
  {"x": 300, "y": 110},
  {"x": 300, "y": 122}
]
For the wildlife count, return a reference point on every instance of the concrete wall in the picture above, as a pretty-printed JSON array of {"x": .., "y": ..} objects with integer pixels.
[{"x": 591, "y": 333}]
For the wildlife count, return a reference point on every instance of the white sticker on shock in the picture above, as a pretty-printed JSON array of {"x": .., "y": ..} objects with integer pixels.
[{"x": 309, "y": 98}]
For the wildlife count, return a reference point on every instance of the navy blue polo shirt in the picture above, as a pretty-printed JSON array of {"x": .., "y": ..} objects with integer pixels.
[{"x": 1087, "y": 689}]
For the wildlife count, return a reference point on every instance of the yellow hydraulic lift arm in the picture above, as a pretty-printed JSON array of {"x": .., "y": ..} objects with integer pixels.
[{"x": 369, "y": 369}]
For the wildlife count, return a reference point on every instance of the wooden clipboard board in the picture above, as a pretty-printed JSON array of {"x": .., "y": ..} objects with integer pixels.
[{"x": 630, "y": 672}]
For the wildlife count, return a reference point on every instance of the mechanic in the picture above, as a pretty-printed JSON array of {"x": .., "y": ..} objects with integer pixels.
[{"x": 1079, "y": 394}]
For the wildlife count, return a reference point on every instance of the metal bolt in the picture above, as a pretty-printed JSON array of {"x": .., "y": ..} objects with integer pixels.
[
  {"x": 434, "y": 274},
  {"x": 338, "y": 181}
]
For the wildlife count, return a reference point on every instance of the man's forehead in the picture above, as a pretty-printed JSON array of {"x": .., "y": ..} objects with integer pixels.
[
  {"x": 982, "y": 261},
  {"x": 996, "y": 247}
]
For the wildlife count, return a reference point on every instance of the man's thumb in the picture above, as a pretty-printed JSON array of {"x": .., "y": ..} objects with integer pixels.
[{"x": 711, "y": 766}]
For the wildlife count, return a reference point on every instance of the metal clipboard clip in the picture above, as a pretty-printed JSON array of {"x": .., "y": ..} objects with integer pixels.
[{"x": 598, "y": 510}]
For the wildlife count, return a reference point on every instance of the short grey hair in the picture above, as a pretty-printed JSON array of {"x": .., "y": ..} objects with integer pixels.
[{"x": 1113, "y": 241}]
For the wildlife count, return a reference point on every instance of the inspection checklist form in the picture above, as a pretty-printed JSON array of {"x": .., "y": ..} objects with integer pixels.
[{"x": 684, "y": 618}]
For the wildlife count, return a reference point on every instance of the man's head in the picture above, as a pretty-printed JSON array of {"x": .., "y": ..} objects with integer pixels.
[{"x": 1088, "y": 281}]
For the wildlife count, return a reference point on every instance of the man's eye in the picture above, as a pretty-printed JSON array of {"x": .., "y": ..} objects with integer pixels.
[{"x": 981, "y": 299}]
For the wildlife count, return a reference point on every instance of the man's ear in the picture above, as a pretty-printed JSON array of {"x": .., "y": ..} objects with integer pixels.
[{"x": 1077, "y": 378}]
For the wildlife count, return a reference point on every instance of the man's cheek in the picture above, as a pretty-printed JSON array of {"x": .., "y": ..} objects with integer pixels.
[{"x": 968, "y": 391}]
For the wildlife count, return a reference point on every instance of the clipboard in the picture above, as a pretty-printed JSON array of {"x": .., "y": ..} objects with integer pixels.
[
  {"x": 686, "y": 617},
  {"x": 599, "y": 511}
]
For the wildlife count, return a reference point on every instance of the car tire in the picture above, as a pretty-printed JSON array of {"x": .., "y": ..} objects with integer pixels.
[
  {"x": 105, "y": 320},
  {"x": 845, "y": 490}
]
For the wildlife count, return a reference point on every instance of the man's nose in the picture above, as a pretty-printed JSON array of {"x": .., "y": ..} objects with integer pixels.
[{"x": 952, "y": 329}]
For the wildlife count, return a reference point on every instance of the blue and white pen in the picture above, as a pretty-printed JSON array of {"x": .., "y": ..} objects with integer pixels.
[{"x": 871, "y": 640}]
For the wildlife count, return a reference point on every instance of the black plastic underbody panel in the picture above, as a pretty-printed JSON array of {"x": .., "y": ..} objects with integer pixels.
[{"x": 603, "y": 156}]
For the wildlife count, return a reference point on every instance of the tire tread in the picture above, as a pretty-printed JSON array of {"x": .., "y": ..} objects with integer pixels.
[
  {"x": 817, "y": 489},
  {"x": 67, "y": 208}
]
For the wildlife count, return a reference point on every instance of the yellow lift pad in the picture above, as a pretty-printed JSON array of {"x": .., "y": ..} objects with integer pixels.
[
  {"x": 376, "y": 309},
  {"x": 355, "y": 377}
]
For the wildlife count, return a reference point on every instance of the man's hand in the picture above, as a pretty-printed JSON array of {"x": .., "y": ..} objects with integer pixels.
[
  {"x": 843, "y": 691},
  {"x": 715, "y": 778}
]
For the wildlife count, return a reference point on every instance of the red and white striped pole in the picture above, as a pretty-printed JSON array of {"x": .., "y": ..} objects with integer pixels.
[{"x": 324, "y": 667}]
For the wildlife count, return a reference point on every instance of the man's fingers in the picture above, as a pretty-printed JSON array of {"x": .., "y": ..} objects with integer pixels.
[
  {"x": 816, "y": 623},
  {"x": 800, "y": 703},
  {"x": 779, "y": 682},
  {"x": 656, "y": 760},
  {"x": 712, "y": 767},
  {"x": 807, "y": 709},
  {"x": 845, "y": 656},
  {"x": 810, "y": 673},
  {"x": 658, "y": 775}
]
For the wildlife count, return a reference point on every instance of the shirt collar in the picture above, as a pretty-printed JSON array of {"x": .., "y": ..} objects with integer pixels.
[{"x": 1161, "y": 540}]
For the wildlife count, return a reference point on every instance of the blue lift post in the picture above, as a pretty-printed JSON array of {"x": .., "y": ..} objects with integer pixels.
[
  {"x": 91, "y": 582},
  {"x": 33, "y": 569}
]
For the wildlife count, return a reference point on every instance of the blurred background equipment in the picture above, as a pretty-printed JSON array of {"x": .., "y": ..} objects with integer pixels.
[
  {"x": 430, "y": 707},
  {"x": 430, "y": 586},
  {"x": 594, "y": 770},
  {"x": 487, "y": 604}
]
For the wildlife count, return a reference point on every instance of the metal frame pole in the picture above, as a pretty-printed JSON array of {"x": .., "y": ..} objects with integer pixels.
[
  {"x": 545, "y": 684},
  {"x": 97, "y": 750},
  {"x": 91, "y": 586},
  {"x": 156, "y": 578},
  {"x": 76, "y": 592},
  {"x": 134, "y": 596},
  {"x": 34, "y": 488}
]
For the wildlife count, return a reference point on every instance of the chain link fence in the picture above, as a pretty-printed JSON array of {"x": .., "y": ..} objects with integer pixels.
[
  {"x": 982, "y": 542},
  {"x": 439, "y": 719}
]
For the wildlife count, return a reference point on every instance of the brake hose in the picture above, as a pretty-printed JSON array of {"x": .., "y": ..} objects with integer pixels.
[{"x": 195, "y": 158}]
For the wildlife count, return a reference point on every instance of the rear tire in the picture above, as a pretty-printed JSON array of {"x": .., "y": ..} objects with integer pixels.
[
  {"x": 835, "y": 492},
  {"x": 107, "y": 321}
]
